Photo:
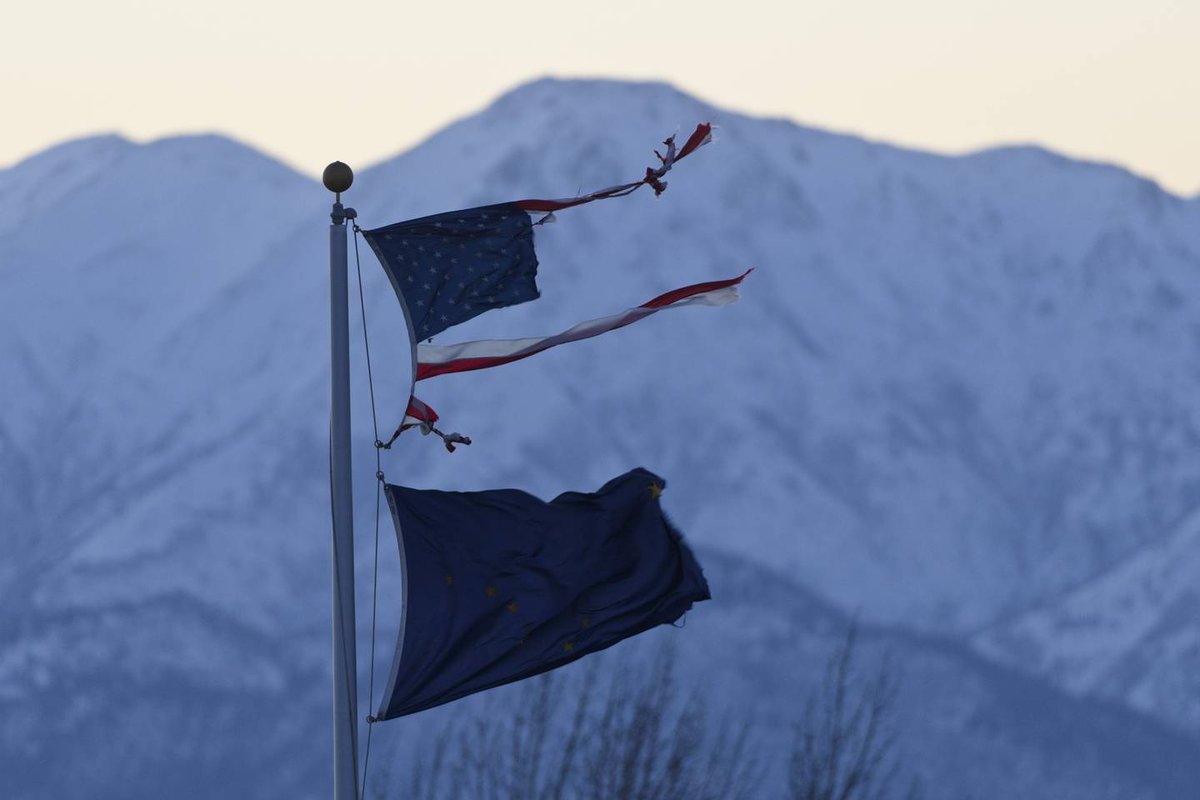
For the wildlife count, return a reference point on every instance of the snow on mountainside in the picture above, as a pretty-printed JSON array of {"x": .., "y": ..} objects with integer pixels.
[
  {"x": 90, "y": 285},
  {"x": 1132, "y": 633},
  {"x": 951, "y": 397}
]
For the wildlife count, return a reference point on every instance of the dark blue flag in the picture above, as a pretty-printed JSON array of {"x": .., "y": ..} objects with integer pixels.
[
  {"x": 500, "y": 585},
  {"x": 451, "y": 267}
]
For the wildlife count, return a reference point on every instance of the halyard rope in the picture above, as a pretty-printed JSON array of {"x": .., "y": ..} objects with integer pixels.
[{"x": 362, "y": 305}]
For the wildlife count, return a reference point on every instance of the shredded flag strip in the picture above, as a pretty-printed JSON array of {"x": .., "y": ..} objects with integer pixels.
[
  {"x": 701, "y": 136},
  {"x": 433, "y": 360},
  {"x": 419, "y": 415}
]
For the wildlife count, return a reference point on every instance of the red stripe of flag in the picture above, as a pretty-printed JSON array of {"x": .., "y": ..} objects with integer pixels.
[{"x": 675, "y": 295}]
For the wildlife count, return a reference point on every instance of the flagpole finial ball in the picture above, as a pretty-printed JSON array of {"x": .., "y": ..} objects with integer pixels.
[{"x": 337, "y": 177}]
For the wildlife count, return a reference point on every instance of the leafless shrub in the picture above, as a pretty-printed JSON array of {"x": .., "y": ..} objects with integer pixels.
[
  {"x": 845, "y": 747},
  {"x": 638, "y": 735},
  {"x": 635, "y": 736}
]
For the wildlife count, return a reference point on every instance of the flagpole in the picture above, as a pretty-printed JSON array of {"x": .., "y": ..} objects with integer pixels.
[{"x": 337, "y": 178}]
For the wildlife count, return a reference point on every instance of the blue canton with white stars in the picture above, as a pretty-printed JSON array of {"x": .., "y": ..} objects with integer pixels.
[{"x": 451, "y": 267}]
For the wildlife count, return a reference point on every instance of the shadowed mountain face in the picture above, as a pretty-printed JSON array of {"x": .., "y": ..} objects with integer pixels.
[{"x": 954, "y": 400}]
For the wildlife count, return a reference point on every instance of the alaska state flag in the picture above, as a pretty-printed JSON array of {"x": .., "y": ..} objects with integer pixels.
[{"x": 500, "y": 585}]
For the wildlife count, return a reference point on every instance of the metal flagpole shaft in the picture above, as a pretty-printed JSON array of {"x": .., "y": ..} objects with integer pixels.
[{"x": 337, "y": 179}]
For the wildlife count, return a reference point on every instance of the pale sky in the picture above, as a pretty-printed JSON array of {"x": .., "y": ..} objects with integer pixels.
[{"x": 1113, "y": 80}]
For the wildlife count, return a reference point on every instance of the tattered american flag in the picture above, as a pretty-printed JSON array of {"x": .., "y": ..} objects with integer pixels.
[{"x": 448, "y": 268}]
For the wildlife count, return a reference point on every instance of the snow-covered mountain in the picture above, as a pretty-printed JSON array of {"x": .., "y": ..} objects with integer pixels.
[{"x": 954, "y": 400}]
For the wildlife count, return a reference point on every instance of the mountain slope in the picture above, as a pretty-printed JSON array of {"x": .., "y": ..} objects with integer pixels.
[{"x": 1132, "y": 633}]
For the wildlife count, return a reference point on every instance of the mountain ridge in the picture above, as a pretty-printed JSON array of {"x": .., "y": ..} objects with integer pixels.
[{"x": 556, "y": 84}]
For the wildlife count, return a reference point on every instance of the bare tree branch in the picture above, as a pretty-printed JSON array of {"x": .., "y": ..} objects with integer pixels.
[
  {"x": 844, "y": 747},
  {"x": 637, "y": 736}
]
